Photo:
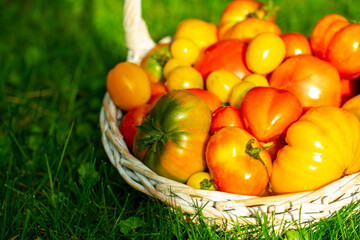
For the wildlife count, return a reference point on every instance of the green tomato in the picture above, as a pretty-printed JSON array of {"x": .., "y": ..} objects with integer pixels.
[
  {"x": 265, "y": 52},
  {"x": 154, "y": 62}
]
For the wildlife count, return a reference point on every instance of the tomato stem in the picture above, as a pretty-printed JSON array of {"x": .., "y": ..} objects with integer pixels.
[
  {"x": 156, "y": 137},
  {"x": 270, "y": 9},
  {"x": 162, "y": 59},
  {"x": 255, "y": 152}
]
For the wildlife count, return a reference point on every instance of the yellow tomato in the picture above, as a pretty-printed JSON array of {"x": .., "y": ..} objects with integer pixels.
[
  {"x": 200, "y": 32},
  {"x": 185, "y": 49},
  {"x": 201, "y": 180},
  {"x": 238, "y": 93},
  {"x": 128, "y": 85},
  {"x": 353, "y": 105},
  {"x": 184, "y": 77},
  {"x": 257, "y": 79},
  {"x": 265, "y": 52},
  {"x": 172, "y": 64},
  {"x": 221, "y": 83}
]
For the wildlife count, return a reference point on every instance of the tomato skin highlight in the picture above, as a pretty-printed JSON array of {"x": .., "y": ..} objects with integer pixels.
[
  {"x": 323, "y": 146},
  {"x": 314, "y": 81},
  {"x": 268, "y": 112},
  {"x": 172, "y": 139},
  {"x": 232, "y": 169}
]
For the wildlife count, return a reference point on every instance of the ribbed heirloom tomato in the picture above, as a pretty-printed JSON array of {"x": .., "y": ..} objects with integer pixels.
[
  {"x": 323, "y": 146},
  {"x": 237, "y": 162},
  {"x": 226, "y": 117},
  {"x": 172, "y": 139},
  {"x": 268, "y": 112}
]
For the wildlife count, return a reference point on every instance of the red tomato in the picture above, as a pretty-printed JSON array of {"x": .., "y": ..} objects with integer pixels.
[
  {"x": 209, "y": 98},
  {"x": 225, "y": 117},
  {"x": 268, "y": 112},
  {"x": 226, "y": 55},
  {"x": 237, "y": 162},
  {"x": 320, "y": 29},
  {"x": 314, "y": 81},
  {"x": 344, "y": 51},
  {"x": 130, "y": 120},
  {"x": 296, "y": 44}
]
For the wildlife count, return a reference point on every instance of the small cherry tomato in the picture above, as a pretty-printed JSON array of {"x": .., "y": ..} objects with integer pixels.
[
  {"x": 185, "y": 50},
  {"x": 130, "y": 120},
  {"x": 154, "y": 62},
  {"x": 225, "y": 117},
  {"x": 184, "y": 77},
  {"x": 128, "y": 85},
  {"x": 265, "y": 52},
  {"x": 201, "y": 180},
  {"x": 172, "y": 64},
  {"x": 296, "y": 44},
  {"x": 202, "y": 33},
  {"x": 221, "y": 83}
]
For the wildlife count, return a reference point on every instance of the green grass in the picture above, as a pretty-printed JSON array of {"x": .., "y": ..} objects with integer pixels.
[{"x": 55, "y": 179}]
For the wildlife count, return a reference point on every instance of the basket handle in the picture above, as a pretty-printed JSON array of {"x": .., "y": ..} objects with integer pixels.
[{"x": 137, "y": 37}]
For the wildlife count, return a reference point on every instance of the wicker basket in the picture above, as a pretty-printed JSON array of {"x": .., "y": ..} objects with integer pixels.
[{"x": 282, "y": 211}]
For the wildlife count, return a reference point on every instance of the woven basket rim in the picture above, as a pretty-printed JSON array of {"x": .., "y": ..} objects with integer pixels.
[{"x": 223, "y": 208}]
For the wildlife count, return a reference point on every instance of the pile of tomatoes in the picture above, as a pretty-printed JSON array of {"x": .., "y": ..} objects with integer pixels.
[{"x": 243, "y": 108}]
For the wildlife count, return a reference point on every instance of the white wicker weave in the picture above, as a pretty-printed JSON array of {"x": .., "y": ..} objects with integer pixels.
[{"x": 224, "y": 208}]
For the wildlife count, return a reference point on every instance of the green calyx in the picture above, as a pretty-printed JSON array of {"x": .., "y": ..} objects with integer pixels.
[
  {"x": 206, "y": 184},
  {"x": 255, "y": 152},
  {"x": 161, "y": 59},
  {"x": 155, "y": 138}
]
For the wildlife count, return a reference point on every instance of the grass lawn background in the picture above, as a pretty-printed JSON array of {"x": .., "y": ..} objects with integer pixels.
[{"x": 55, "y": 179}]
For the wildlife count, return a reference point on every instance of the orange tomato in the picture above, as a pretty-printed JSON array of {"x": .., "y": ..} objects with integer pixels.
[
  {"x": 249, "y": 28},
  {"x": 323, "y": 146},
  {"x": 209, "y": 98},
  {"x": 237, "y": 162},
  {"x": 128, "y": 85},
  {"x": 314, "y": 81},
  {"x": 320, "y": 29},
  {"x": 237, "y": 11},
  {"x": 200, "y": 32},
  {"x": 296, "y": 44},
  {"x": 344, "y": 51}
]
